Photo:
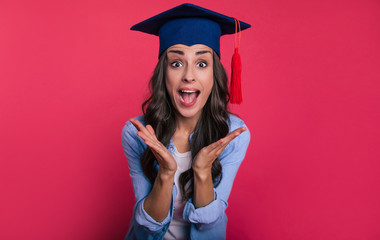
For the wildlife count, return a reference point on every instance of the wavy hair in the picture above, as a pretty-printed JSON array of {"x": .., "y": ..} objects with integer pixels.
[{"x": 159, "y": 112}]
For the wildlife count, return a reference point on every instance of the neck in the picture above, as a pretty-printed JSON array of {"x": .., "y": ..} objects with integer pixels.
[{"x": 186, "y": 125}]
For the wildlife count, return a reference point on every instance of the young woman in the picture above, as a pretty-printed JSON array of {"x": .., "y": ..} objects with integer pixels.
[{"x": 185, "y": 150}]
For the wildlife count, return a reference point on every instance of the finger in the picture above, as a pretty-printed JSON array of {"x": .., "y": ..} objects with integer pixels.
[
  {"x": 148, "y": 135},
  {"x": 220, "y": 150},
  {"x": 234, "y": 134},
  {"x": 154, "y": 149},
  {"x": 225, "y": 144},
  {"x": 153, "y": 145},
  {"x": 215, "y": 145},
  {"x": 138, "y": 125},
  {"x": 158, "y": 150},
  {"x": 144, "y": 136},
  {"x": 151, "y": 130},
  {"x": 227, "y": 139},
  {"x": 155, "y": 140}
]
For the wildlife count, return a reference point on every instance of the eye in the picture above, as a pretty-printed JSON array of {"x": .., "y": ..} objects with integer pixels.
[
  {"x": 176, "y": 64},
  {"x": 202, "y": 64}
]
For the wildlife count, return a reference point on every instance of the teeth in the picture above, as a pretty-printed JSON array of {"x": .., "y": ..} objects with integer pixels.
[{"x": 188, "y": 91}]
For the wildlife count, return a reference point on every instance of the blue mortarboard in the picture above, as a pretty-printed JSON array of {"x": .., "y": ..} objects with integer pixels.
[{"x": 190, "y": 24}]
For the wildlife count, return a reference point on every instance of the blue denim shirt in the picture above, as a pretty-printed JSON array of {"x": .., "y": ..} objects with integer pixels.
[{"x": 208, "y": 222}]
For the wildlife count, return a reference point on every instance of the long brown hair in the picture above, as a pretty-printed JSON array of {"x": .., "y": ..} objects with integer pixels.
[{"x": 212, "y": 125}]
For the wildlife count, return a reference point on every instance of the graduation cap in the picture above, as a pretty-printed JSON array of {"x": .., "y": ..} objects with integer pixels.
[{"x": 190, "y": 24}]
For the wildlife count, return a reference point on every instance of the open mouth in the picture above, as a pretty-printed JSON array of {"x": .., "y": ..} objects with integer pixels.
[{"x": 188, "y": 97}]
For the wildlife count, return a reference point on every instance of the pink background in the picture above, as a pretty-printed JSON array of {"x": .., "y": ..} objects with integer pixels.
[{"x": 72, "y": 74}]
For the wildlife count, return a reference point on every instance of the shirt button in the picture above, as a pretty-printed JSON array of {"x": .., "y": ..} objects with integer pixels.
[
  {"x": 171, "y": 148},
  {"x": 163, "y": 229}
]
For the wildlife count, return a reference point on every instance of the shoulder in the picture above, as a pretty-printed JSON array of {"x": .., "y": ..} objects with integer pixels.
[
  {"x": 129, "y": 137},
  {"x": 235, "y": 122},
  {"x": 129, "y": 128},
  {"x": 239, "y": 144}
]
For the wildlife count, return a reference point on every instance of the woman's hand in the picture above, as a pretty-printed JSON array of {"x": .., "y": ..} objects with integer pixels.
[
  {"x": 168, "y": 165},
  {"x": 202, "y": 162},
  {"x": 157, "y": 203}
]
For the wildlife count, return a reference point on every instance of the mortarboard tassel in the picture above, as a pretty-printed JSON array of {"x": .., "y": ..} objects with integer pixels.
[{"x": 235, "y": 85}]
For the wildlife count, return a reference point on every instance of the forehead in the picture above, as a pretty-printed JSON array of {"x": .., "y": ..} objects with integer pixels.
[{"x": 189, "y": 49}]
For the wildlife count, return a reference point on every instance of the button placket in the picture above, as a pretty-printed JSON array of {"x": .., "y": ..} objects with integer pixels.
[{"x": 171, "y": 148}]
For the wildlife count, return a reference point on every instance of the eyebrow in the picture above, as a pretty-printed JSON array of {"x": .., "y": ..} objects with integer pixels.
[{"x": 182, "y": 53}]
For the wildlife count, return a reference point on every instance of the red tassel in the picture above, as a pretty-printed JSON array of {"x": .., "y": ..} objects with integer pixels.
[{"x": 235, "y": 86}]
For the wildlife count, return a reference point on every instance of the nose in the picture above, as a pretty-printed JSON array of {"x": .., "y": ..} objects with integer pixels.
[{"x": 188, "y": 75}]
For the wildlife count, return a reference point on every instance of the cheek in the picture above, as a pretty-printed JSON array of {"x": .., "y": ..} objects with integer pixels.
[
  {"x": 209, "y": 82},
  {"x": 168, "y": 87},
  {"x": 171, "y": 79},
  {"x": 169, "y": 84}
]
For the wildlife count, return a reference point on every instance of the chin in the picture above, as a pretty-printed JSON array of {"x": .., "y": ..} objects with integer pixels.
[
  {"x": 189, "y": 113},
  {"x": 192, "y": 112}
]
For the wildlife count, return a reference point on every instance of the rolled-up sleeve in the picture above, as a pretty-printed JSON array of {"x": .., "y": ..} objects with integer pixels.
[
  {"x": 133, "y": 148},
  {"x": 213, "y": 214}
]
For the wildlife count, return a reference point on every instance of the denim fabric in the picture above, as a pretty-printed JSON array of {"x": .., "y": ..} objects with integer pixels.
[{"x": 208, "y": 222}]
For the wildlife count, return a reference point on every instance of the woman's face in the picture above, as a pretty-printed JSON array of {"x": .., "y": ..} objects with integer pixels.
[{"x": 189, "y": 78}]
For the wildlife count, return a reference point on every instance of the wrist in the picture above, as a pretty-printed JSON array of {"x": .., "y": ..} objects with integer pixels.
[
  {"x": 165, "y": 175},
  {"x": 202, "y": 174}
]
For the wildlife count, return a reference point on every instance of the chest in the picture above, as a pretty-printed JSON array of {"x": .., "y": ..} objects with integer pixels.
[{"x": 181, "y": 142}]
